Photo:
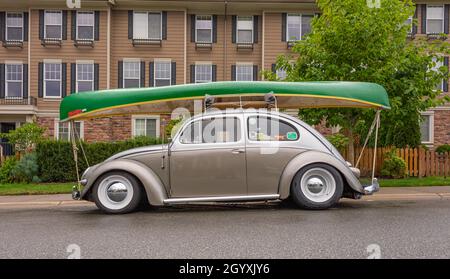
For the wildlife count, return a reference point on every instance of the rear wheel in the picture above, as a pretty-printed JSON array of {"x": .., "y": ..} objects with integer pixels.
[
  {"x": 317, "y": 186},
  {"x": 117, "y": 192}
]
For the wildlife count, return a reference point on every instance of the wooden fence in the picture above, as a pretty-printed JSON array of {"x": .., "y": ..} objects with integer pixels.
[{"x": 419, "y": 162}]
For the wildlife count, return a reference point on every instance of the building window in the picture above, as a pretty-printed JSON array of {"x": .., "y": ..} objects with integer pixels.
[
  {"x": 85, "y": 77},
  {"x": 427, "y": 128},
  {"x": 298, "y": 25},
  {"x": 203, "y": 73},
  {"x": 244, "y": 72},
  {"x": 203, "y": 29},
  {"x": 63, "y": 130},
  {"x": 14, "y": 26},
  {"x": 85, "y": 25},
  {"x": 163, "y": 73},
  {"x": 13, "y": 79},
  {"x": 438, "y": 64},
  {"x": 146, "y": 126},
  {"x": 131, "y": 74},
  {"x": 147, "y": 25},
  {"x": 409, "y": 23},
  {"x": 52, "y": 80},
  {"x": 281, "y": 74},
  {"x": 435, "y": 19},
  {"x": 53, "y": 25},
  {"x": 244, "y": 29}
]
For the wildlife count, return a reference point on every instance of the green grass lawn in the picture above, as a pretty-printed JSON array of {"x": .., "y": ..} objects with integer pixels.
[
  {"x": 35, "y": 189},
  {"x": 64, "y": 188},
  {"x": 411, "y": 182}
]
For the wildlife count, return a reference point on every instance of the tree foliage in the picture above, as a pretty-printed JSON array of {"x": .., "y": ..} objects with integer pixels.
[
  {"x": 25, "y": 137},
  {"x": 351, "y": 41}
]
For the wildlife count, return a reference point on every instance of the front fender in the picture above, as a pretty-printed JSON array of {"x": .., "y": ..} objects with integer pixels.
[
  {"x": 154, "y": 187},
  {"x": 310, "y": 157}
]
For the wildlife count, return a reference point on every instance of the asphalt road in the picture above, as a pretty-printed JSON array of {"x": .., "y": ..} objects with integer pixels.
[{"x": 402, "y": 228}]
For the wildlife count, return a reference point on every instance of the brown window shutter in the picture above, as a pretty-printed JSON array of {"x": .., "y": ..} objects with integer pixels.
[
  {"x": 2, "y": 81},
  {"x": 63, "y": 80},
  {"x": 73, "y": 77},
  {"x": 120, "y": 74},
  {"x": 96, "y": 76},
  {"x": 41, "y": 80},
  {"x": 25, "y": 81},
  {"x": 173, "y": 74},
  {"x": 130, "y": 24},
  {"x": 192, "y": 68}
]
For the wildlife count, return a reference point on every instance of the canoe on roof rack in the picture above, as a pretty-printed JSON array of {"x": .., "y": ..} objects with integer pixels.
[{"x": 161, "y": 100}]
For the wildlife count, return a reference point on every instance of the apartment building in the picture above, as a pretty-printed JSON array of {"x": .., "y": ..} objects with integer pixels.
[{"x": 49, "y": 51}]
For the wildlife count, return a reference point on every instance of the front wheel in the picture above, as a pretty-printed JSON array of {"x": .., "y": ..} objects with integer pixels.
[
  {"x": 317, "y": 186},
  {"x": 117, "y": 192}
]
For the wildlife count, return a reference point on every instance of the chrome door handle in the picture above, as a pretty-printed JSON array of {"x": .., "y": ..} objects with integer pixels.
[{"x": 238, "y": 151}]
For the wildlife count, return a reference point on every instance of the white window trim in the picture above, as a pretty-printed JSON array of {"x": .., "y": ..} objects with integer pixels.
[
  {"x": 151, "y": 117},
  {"x": 431, "y": 127},
  {"x": 411, "y": 18},
  {"x": 162, "y": 60},
  {"x": 6, "y": 79},
  {"x": 6, "y": 24},
  {"x": 83, "y": 62},
  {"x": 196, "y": 80},
  {"x": 237, "y": 30},
  {"x": 93, "y": 25},
  {"x": 45, "y": 24},
  {"x": 60, "y": 79},
  {"x": 442, "y": 18},
  {"x": 243, "y": 64},
  {"x": 131, "y": 60},
  {"x": 161, "y": 23},
  {"x": 196, "y": 29},
  {"x": 56, "y": 129},
  {"x": 442, "y": 64}
]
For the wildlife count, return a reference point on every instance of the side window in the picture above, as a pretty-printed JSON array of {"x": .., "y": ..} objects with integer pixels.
[
  {"x": 261, "y": 128},
  {"x": 212, "y": 130}
]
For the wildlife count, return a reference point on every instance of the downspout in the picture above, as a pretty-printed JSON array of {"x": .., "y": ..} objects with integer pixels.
[
  {"x": 108, "y": 50},
  {"x": 225, "y": 43},
  {"x": 262, "y": 41},
  {"x": 29, "y": 58},
  {"x": 185, "y": 47}
]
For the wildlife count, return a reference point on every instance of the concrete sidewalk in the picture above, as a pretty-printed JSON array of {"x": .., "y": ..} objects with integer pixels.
[{"x": 388, "y": 193}]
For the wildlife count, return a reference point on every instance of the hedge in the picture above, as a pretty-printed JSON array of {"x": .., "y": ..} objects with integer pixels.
[{"x": 56, "y": 163}]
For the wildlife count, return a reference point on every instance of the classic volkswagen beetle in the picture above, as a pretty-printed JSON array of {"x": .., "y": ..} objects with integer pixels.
[{"x": 224, "y": 156}]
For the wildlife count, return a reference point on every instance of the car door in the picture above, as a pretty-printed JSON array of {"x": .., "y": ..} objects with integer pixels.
[{"x": 208, "y": 158}]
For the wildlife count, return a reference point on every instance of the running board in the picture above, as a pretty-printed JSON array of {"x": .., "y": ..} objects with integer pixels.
[{"x": 222, "y": 199}]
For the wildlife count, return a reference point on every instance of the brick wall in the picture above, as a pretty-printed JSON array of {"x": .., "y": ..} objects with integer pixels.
[{"x": 441, "y": 127}]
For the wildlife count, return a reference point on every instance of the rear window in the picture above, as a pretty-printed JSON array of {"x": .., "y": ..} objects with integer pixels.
[{"x": 263, "y": 128}]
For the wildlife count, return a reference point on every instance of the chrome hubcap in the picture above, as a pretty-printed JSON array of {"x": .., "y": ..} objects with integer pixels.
[
  {"x": 318, "y": 185},
  {"x": 117, "y": 192}
]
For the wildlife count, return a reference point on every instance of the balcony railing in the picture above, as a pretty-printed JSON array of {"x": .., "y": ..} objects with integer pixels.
[{"x": 18, "y": 101}]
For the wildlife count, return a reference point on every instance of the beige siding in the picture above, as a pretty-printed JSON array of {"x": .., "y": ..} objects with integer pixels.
[
  {"x": 122, "y": 47},
  {"x": 68, "y": 53}
]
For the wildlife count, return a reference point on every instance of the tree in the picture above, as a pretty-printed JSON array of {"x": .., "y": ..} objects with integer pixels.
[
  {"x": 25, "y": 137},
  {"x": 354, "y": 41}
]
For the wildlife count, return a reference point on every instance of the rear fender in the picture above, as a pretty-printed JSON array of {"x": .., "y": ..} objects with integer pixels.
[{"x": 310, "y": 157}]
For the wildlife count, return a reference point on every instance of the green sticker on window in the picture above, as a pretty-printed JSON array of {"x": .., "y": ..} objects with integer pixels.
[{"x": 292, "y": 136}]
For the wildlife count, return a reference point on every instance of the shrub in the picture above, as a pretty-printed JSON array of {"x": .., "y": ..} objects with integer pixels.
[
  {"x": 339, "y": 141},
  {"x": 6, "y": 170},
  {"x": 393, "y": 166},
  {"x": 56, "y": 163},
  {"x": 26, "y": 170},
  {"x": 443, "y": 148},
  {"x": 25, "y": 137}
]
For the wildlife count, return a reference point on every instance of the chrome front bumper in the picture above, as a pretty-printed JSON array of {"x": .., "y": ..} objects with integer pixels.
[{"x": 370, "y": 189}]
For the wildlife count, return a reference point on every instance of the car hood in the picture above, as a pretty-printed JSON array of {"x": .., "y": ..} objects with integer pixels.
[{"x": 138, "y": 150}]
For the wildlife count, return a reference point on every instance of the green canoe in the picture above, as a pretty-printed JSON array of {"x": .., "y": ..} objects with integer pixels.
[{"x": 158, "y": 100}]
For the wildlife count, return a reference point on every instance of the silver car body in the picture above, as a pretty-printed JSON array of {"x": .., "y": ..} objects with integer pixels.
[{"x": 227, "y": 171}]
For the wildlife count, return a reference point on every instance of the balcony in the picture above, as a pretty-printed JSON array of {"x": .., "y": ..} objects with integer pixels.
[
  {"x": 30, "y": 101},
  {"x": 13, "y": 44}
]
